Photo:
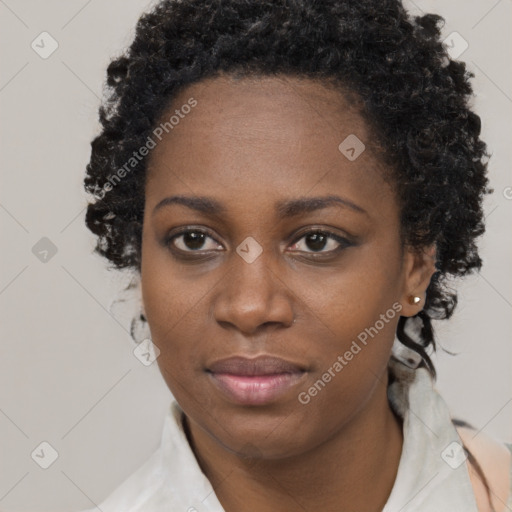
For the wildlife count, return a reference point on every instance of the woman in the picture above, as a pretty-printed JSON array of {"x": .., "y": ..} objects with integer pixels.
[{"x": 294, "y": 182}]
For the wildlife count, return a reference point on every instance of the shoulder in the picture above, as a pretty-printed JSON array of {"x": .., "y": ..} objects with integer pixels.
[{"x": 495, "y": 460}]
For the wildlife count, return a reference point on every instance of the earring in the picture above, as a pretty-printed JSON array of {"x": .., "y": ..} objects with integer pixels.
[{"x": 414, "y": 299}]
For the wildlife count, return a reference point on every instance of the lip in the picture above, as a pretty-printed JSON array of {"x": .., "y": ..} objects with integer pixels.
[{"x": 255, "y": 381}]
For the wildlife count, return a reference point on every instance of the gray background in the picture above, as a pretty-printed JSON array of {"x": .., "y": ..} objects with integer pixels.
[{"x": 67, "y": 372}]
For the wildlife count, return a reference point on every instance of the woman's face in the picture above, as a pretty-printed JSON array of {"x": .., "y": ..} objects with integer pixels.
[{"x": 254, "y": 260}]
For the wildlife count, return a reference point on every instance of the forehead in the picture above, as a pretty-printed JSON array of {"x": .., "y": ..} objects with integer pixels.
[
  {"x": 245, "y": 134},
  {"x": 276, "y": 110}
]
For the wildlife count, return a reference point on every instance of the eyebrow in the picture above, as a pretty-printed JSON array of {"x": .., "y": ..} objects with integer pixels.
[{"x": 284, "y": 209}]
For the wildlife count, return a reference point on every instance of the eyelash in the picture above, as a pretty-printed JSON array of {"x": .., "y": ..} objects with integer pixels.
[{"x": 343, "y": 242}]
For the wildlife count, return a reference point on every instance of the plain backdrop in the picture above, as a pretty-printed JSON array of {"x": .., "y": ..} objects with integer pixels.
[{"x": 68, "y": 376}]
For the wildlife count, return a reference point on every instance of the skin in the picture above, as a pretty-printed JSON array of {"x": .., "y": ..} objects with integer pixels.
[{"x": 250, "y": 143}]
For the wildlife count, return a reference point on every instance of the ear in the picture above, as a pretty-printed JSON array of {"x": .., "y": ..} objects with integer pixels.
[{"x": 418, "y": 267}]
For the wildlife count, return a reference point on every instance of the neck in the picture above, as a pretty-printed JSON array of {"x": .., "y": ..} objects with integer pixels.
[{"x": 355, "y": 469}]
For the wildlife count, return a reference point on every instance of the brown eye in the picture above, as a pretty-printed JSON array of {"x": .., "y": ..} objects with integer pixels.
[
  {"x": 317, "y": 241},
  {"x": 192, "y": 240}
]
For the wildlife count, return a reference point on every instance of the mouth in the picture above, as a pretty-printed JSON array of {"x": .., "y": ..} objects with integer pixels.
[{"x": 255, "y": 381}]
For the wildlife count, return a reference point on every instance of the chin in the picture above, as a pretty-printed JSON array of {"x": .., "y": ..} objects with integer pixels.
[{"x": 261, "y": 435}]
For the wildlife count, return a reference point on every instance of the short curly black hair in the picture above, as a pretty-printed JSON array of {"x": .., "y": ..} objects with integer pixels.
[{"x": 414, "y": 98}]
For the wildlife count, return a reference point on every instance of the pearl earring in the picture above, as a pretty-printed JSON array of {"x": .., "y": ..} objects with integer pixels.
[{"x": 414, "y": 299}]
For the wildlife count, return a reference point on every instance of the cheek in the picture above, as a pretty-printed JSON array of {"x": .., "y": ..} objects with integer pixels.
[
  {"x": 176, "y": 321},
  {"x": 356, "y": 323},
  {"x": 166, "y": 300},
  {"x": 355, "y": 295},
  {"x": 175, "y": 310},
  {"x": 350, "y": 351}
]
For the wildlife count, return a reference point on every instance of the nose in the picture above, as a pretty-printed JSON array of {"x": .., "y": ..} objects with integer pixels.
[{"x": 253, "y": 295}]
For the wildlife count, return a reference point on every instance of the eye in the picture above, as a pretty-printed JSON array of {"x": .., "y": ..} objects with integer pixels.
[
  {"x": 192, "y": 240},
  {"x": 318, "y": 240},
  {"x": 195, "y": 240}
]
